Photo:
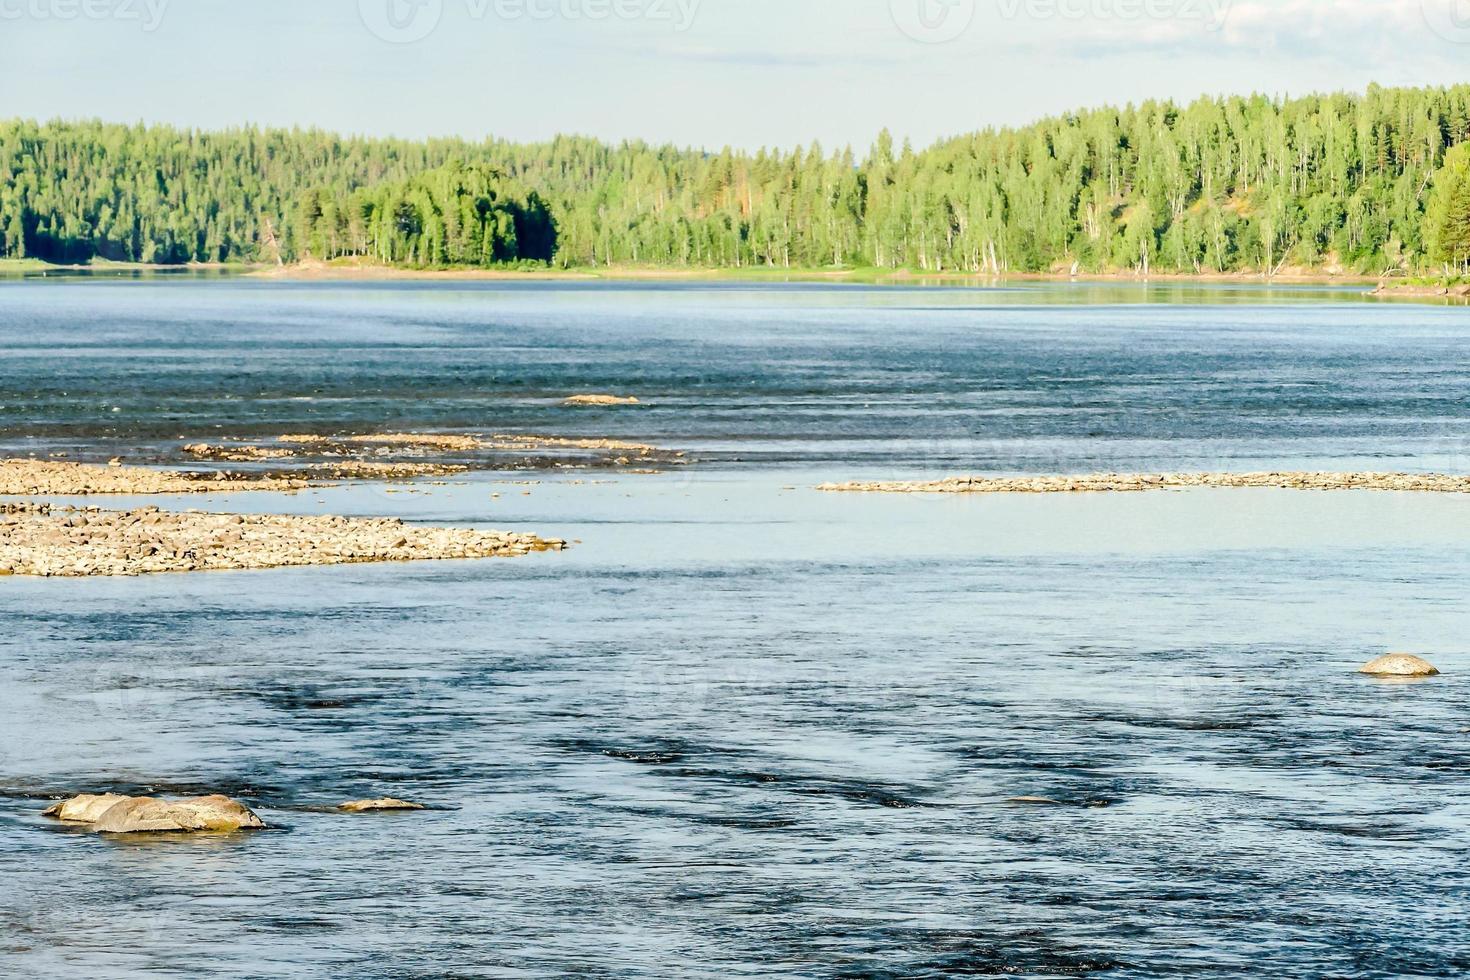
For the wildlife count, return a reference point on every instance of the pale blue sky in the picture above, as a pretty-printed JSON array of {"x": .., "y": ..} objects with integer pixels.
[{"x": 697, "y": 72}]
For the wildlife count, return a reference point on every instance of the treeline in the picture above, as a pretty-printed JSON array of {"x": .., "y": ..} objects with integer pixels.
[{"x": 1217, "y": 185}]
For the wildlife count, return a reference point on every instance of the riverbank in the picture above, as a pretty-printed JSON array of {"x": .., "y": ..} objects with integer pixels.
[
  {"x": 347, "y": 269},
  {"x": 1137, "y": 483},
  {"x": 1411, "y": 290},
  {"x": 32, "y": 267},
  {"x": 352, "y": 269}
]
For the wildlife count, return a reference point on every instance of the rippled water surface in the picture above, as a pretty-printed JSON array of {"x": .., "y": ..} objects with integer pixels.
[
  {"x": 1035, "y": 378},
  {"x": 743, "y": 728}
]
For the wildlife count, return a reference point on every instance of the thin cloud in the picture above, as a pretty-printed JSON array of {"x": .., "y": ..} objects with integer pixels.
[{"x": 1382, "y": 30}]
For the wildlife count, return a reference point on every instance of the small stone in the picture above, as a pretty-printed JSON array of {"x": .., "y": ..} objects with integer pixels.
[{"x": 1400, "y": 665}]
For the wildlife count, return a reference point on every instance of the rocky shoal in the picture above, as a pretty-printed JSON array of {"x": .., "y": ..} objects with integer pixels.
[
  {"x": 50, "y": 478},
  {"x": 472, "y": 443},
  {"x": 38, "y": 540},
  {"x": 1133, "y": 483},
  {"x": 479, "y": 451},
  {"x": 37, "y": 477}
]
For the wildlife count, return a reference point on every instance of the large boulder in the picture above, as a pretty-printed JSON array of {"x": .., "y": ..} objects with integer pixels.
[
  {"x": 1401, "y": 665},
  {"x": 147, "y": 815}
]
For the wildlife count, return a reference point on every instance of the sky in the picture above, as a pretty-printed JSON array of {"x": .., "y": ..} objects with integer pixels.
[{"x": 704, "y": 73}]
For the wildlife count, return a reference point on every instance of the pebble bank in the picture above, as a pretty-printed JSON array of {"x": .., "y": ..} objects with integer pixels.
[
  {"x": 38, "y": 540},
  {"x": 1135, "y": 483}
]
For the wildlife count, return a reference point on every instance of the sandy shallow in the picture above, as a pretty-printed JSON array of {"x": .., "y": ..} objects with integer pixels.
[
  {"x": 38, "y": 540},
  {"x": 1136, "y": 483}
]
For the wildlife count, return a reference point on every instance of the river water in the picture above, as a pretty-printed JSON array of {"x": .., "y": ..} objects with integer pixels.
[{"x": 742, "y": 728}]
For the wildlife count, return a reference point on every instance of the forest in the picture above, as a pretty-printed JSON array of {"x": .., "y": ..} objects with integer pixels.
[
  {"x": 1370, "y": 183},
  {"x": 453, "y": 216}
]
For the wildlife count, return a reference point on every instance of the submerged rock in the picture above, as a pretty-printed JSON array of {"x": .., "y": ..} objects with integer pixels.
[
  {"x": 112, "y": 814},
  {"x": 379, "y": 806},
  {"x": 1401, "y": 665},
  {"x": 235, "y": 453}
]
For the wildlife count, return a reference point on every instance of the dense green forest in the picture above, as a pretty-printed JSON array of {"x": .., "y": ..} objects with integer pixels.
[
  {"x": 1364, "y": 182},
  {"x": 452, "y": 216}
]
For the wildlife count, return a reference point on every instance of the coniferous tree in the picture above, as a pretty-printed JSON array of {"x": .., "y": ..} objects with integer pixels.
[{"x": 1448, "y": 219}]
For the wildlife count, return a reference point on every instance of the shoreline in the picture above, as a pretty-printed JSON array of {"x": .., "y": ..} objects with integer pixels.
[
  {"x": 370, "y": 272},
  {"x": 32, "y": 267},
  {"x": 1423, "y": 291},
  {"x": 342, "y": 271}
]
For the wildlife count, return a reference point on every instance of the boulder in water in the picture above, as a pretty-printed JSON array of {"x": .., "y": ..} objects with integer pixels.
[
  {"x": 379, "y": 806},
  {"x": 1401, "y": 665},
  {"x": 146, "y": 815},
  {"x": 86, "y": 808},
  {"x": 602, "y": 400}
]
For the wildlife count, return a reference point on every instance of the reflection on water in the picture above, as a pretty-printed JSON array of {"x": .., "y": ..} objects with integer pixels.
[{"x": 744, "y": 728}]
